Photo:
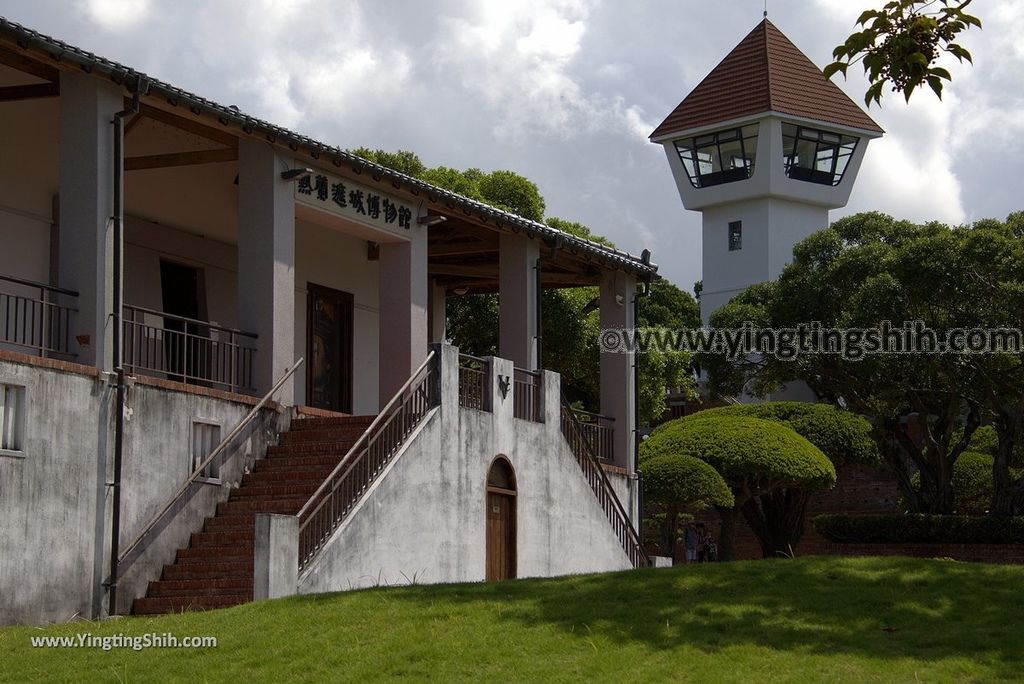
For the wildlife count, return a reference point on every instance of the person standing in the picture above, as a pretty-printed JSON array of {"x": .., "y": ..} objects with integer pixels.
[{"x": 690, "y": 541}]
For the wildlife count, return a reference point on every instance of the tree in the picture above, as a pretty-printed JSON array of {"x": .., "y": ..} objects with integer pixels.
[
  {"x": 757, "y": 458},
  {"x": 870, "y": 269},
  {"x": 402, "y": 161},
  {"x": 900, "y": 44},
  {"x": 844, "y": 437},
  {"x": 679, "y": 484}
]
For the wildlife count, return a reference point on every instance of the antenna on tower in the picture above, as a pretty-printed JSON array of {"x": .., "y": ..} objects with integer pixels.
[{"x": 765, "y": 9}]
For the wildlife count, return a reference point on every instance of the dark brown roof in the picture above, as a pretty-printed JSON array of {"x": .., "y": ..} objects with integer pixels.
[{"x": 766, "y": 72}]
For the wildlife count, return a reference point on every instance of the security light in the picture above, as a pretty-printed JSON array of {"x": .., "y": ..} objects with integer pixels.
[{"x": 431, "y": 220}]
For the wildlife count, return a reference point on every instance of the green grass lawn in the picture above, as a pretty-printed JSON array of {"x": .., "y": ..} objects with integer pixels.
[{"x": 811, "y": 619}]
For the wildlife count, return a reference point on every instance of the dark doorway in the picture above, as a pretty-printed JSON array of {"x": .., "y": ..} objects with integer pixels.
[
  {"x": 329, "y": 349},
  {"x": 501, "y": 521},
  {"x": 185, "y": 346}
]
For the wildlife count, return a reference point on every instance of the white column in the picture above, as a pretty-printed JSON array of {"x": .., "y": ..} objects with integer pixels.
[
  {"x": 86, "y": 158},
  {"x": 266, "y": 263},
  {"x": 618, "y": 401},
  {"x": 517, "y": 258},
  {"x": 438, "y": 312},
  {"x": 404, "y": 295}
]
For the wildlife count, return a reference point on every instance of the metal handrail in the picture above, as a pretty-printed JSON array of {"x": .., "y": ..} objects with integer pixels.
[
  {"x": 41, "y": 286},
  {"x": 209, "y": 459},
  {"x": 591, "y": 414},
  {"x": 607, "y": 497},
  {"x": 527, "y": 399},
  {"x": 474, "y": 382},
  {"x": 365, "y": 436},
  {"x": 193, "y": 321}
]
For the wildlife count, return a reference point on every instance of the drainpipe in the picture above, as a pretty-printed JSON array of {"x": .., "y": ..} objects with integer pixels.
[
  {"x": 540, "y": 306},
  {"x": 118, "y": 355},
  {"x": 646, "y": 291}
]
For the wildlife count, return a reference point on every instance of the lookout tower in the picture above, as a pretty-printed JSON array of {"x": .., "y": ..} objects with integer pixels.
[{"x": 763, "y": 147}]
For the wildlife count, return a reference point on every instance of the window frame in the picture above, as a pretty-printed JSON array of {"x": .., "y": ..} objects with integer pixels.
[
  {"x": 735, "y": 245},
  {"x": 841, "y": 150},
  {"x": 17, "y": 423},
  {"x": 193, "y": 463},
  {"x": 711, "y": 144}
]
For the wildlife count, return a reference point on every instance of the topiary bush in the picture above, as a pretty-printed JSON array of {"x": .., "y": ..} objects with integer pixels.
[
  {"x": 678, "y": 484},
  {"x": 760, "y": 460},
  {"x": 843, "y": 436},
  {"x": 915, "y": 528}
]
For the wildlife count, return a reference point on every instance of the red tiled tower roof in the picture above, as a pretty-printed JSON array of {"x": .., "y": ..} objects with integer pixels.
[{"x": 766, "y": 72}]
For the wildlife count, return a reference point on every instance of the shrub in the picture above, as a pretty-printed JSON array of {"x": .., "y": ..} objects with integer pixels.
[
  {"x": 843, "y": 436},
  {"x": 683, "y": 481},
  {"x": 760, "y": 454},
  {"x": 767, "y": 465},
  {"x": 916, "y": 528}
]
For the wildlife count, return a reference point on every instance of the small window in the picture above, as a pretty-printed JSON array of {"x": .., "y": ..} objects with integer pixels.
[
  {"x": 735, "y": 235},
  {"x": 205, "y": 438},
  {"x": 12, "y": 418}
]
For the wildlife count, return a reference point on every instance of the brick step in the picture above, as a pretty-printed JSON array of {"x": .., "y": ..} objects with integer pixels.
[
  {"x": 304, "y": 424},
  {"x": 285, "y": 477},
  {"x": 178, "y": 604},
  {"x": 241, "y": 551},
  {"x": 241, "y": 522},
  {"x": 312, "y": 450},
  {"x": 229, "y": 537},
  {"x": 349, "y": 435},
  {"x": 201, "y": 587},
  {"x": 237, "y": 568},
  {"x": 280, "y": 490},
  {"x": 289, "y": 506},
  {"x": 298, "y": 463}
]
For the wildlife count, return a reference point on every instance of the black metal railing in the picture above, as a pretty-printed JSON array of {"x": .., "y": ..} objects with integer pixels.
[
  {"x": 33, "y": 316},
  {"x": 474, "y": 382},
  {"x": 187, "y": 350},
  {"x": 326, "y": 509},
  {"x": 602, "y": 488},
  {"x": 599, "y": 431},
  {"x": 527, "y": 393}
]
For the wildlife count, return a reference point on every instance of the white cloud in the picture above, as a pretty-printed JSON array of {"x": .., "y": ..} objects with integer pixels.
[{"x": 117, "y": 14}]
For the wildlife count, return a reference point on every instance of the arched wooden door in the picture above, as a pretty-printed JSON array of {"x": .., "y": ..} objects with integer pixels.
[{"x": 501, "y": 521}]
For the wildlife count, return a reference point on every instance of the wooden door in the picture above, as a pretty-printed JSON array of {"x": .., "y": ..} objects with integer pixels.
[
  {"x": 329, "y": 331},
  {"x": 501, "y": 536}
]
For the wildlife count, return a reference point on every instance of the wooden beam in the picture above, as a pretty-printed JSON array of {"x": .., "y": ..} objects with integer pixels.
[
  {"x": 132, "y": 123},
  {"x": 462, "y": 249},
  {"x": 24, "y": 63},
  {"x": 29, "y": 92},
  {"x": 489, "y": 272},
  {"x": 189, "y": 125},
  {"x": 163, "y": 161}
]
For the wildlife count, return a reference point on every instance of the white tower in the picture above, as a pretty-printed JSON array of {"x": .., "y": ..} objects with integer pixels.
[{"x": 763, "y": 147}]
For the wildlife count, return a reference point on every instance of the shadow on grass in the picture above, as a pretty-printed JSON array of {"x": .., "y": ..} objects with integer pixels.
[{"x": 874, "y": 607}]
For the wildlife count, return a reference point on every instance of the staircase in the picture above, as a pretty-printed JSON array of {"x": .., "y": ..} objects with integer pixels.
[{"x": 216, "y": 569}]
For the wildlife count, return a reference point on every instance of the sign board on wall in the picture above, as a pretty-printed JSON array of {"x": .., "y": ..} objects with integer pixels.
[{"x": 355, "y": 202}]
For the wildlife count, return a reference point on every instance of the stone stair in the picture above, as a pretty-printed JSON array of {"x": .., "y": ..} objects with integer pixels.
[{"x": 216, "y": 569}]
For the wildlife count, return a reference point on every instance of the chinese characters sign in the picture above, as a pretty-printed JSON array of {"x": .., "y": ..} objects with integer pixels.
[{"x": 353, "y": 201}]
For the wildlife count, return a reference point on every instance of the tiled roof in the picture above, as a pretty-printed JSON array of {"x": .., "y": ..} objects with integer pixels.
[
  {"x": 766, "y": 72},
  {"x": 28, "y": 39}
]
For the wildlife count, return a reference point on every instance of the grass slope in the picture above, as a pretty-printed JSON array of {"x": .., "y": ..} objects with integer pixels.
[{"x": 812, "y": 619}]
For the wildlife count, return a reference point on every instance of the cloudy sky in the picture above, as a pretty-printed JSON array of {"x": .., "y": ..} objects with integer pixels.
[{"x": 563, "y": 91}]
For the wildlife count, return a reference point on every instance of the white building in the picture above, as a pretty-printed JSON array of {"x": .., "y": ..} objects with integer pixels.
[
  {"x": 763, "y": 147},
  {"x": 243, "y": 248}
]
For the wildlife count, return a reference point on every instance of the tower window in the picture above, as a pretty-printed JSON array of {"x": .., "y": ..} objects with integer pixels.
[
  {"x": 816, "y": 156},
  {"x": 735, "y": 235},
  {"x": 722, "y": 157}
]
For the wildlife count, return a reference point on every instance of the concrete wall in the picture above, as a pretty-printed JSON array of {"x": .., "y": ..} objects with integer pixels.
[
  {"x": 54, "y": 502},
  {"x": 424, "y": 519}
]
